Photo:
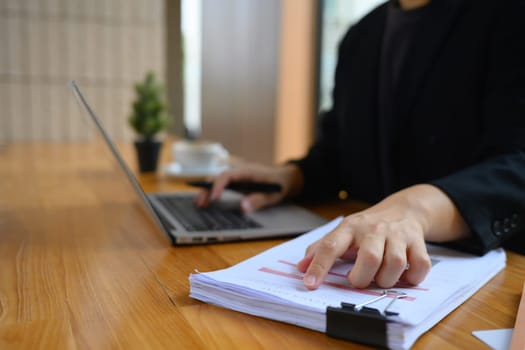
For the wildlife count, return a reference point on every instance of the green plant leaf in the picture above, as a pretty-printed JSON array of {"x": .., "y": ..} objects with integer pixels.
[{"x": 149, "y": 109}]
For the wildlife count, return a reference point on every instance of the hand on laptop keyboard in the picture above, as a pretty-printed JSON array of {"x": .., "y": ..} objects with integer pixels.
[{"x": 288, "y": 177}]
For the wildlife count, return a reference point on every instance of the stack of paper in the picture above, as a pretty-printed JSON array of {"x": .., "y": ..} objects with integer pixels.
[{"x": 269, "y": 285}]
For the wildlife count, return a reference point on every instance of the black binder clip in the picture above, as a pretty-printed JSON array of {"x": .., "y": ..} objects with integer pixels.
[{"x": 361, "y": 324}]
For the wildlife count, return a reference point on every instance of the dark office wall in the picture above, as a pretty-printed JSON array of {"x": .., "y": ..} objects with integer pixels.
[{"x": 240, "y": 54}]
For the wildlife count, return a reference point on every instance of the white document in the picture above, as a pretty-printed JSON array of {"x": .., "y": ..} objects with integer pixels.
[
  {"x": 497, "y": 339},
  {"x": 270, "y": 286}
]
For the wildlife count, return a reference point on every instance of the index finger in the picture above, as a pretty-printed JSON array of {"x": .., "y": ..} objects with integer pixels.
[
  {"x": 330, "y": 247},
  {"x": 219, "y": 184}
]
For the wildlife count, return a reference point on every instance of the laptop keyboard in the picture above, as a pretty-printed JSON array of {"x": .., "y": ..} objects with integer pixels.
[{"x": 206, "y": 219}]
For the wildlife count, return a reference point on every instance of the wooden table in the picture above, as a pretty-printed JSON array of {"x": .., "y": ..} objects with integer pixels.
[{"x": 79, "y": 268}]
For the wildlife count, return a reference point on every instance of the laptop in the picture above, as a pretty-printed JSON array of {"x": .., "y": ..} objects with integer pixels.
[{"x": 184, "y": 223}]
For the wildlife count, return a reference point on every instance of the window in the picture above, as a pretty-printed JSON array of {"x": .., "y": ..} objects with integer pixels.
[
  {"x": 336, "y": 17},
  {"x": 191, "y": 15}
]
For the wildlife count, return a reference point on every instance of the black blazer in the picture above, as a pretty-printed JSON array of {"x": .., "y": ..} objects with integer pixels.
[{"x": 460, "y": 107}]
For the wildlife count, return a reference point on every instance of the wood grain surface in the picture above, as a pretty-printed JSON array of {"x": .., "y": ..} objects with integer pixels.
[{"x": 81, "y": 267}]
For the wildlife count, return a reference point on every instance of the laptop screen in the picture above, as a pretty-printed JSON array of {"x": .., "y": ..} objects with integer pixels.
[{"x": 94, "y": 120}]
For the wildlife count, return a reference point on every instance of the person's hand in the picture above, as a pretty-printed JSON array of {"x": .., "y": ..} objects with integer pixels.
[
  {"x": 288, "y": 176},
  {"x": 387, "y": 240}
]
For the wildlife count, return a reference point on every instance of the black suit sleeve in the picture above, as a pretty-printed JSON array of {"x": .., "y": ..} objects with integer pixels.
[
  {"x": 491, "y": 193},
  {"x": 320, "y": 166}
]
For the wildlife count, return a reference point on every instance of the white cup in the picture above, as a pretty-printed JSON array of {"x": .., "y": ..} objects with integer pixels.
[{"x": 199, "y": 156}]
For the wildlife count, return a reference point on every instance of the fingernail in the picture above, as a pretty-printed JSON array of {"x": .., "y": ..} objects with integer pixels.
[
  {"x": 246, "y": 206},
  {"x": 309, "y": 280}
]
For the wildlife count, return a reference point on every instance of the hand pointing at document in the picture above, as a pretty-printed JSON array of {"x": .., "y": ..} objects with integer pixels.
[{"x": 387, "y": 240}]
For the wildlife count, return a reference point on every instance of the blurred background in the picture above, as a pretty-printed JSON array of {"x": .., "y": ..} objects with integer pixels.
[{"x": 251, "y": 74}]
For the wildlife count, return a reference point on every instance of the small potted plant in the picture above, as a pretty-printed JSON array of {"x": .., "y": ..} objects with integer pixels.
[{"x": 148, "y": 118}]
